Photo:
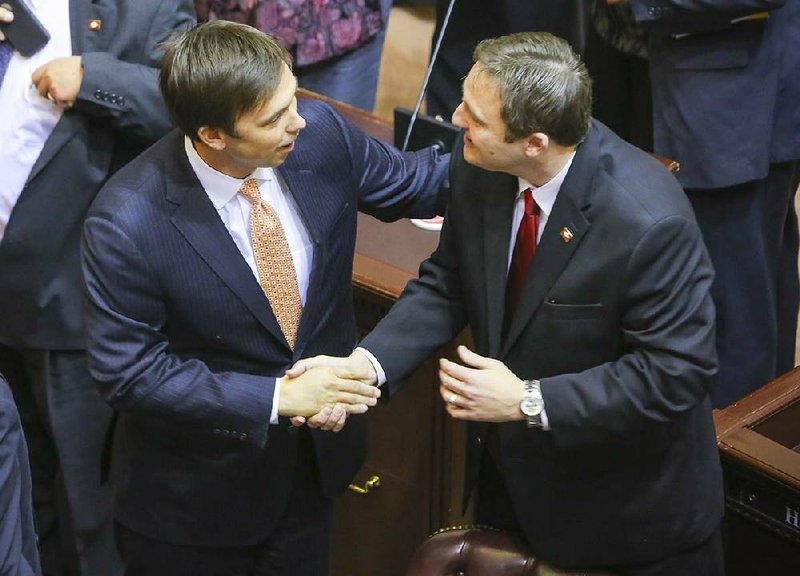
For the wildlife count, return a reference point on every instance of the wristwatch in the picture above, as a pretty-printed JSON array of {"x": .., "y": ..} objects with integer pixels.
[{"x": 533, "y": 403}]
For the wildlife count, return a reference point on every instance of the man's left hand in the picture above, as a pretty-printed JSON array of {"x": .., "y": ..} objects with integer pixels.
[
  {"x": 59, "y": 80},
  {"x": 482, "y": 389}
]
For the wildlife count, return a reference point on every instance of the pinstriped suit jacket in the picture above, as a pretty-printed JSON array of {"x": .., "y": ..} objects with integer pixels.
[{"x": 183, "y": 342}]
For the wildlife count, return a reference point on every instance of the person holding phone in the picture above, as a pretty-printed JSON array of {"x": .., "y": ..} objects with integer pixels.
[{"x": 78, "y": 98}]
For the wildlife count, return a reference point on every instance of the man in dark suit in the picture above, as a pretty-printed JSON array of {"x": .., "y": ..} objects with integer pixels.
[
  {"x": 212, "y": 263},
  {"x": 71, "y": 114},
  {"x": 577, "y": 263},
  {"x": 725, "y": 101},
  {"x": 18, "y": 553}
]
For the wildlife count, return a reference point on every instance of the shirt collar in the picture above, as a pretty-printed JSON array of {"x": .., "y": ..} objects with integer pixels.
[
  {"x": 220, "y": 187},
  {"x": 545, "y": 195}
]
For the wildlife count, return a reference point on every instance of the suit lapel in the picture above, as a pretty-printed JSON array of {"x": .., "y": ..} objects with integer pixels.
[
  {"x": 554, "y": 251},
  {"x": 198, "y": 222},
  {"x": 83, "y": 40},
  {"x": 500, "y": 192},
  {"x": 78, "y": 19}
]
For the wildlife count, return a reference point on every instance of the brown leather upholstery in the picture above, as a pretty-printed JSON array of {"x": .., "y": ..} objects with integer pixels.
[{"x": 478, "y": 552}]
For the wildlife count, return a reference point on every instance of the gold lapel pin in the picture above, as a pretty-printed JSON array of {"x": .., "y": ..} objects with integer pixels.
[
  {"x": 95, "y": 24},
  {"x": 566, "y": 234}
]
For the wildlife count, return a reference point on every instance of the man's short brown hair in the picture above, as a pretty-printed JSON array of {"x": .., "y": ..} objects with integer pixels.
[
  {"x": 217, "y": 71},
  {"x": 543, "y": 84}
]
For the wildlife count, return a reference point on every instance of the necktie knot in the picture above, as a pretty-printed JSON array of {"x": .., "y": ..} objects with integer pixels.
[
  {"x": 251, "y": 191},
  {"x": 531, "y": 207}
]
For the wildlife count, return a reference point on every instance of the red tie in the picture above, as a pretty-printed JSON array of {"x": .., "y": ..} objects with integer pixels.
[{"x": 521, "y": 258}]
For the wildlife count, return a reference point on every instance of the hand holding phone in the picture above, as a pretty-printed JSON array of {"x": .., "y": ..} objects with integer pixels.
[
  {"x": 20, "y": 26},
  {"x": 6, "y": 16}
]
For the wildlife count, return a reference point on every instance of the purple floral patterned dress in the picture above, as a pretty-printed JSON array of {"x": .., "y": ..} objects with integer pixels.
[{"x": 313, "y": 30}]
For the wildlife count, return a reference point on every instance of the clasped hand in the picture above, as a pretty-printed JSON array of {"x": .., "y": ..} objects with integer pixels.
[
  {"x": 479, "y": 388},
  {"x": 322, "y": 391}
]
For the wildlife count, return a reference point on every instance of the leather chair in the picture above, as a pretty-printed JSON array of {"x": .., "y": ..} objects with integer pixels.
[{"x": 479, "y": 551}]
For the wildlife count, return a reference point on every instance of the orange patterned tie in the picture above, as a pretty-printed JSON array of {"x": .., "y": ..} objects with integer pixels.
[{"x": 276, "y": 273}]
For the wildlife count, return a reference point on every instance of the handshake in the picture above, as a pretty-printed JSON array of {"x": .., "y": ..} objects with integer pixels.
[{"x": 322, "y": 391}]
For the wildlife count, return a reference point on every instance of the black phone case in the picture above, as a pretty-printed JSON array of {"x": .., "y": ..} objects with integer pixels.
[{"x": 25, "y": 33}]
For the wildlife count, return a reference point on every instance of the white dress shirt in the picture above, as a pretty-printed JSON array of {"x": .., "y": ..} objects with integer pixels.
[
  {"x": 27, "y": 119},
  {"x": 234, "y": 211},
  {"x": 545, "y": 196}
]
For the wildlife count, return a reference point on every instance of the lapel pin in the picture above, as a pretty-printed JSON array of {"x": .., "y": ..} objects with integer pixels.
[
  {"x": 566, "y": 234},
  {"x": 95, "y": 24}
]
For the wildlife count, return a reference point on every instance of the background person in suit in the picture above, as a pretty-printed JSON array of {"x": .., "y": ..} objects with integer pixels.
[
  {"x": 725, "y": 99},
  {"x": 473, "y": 20},
  {"x": 576, "y": 261},
  {"x": 18, "y": 553},
  {"x": 189, "y": 336},
  {"x": 616, "y": 57},
  {"x": 69, "y": 116}
]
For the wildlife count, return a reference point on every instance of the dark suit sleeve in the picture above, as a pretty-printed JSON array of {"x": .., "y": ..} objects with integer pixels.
[
  {"x": 392, "y": 184},
  {"x": 18, "y": 555},
  {"x": 428, "y": 315},
  {"x": 126, "y": 92},
  {"x": 129, "y": 354},
  {"x": 667, "y": 321}
]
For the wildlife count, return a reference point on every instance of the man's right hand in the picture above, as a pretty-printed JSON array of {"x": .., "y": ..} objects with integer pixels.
[
  {"x": 321, "y": 386},
  {"x": 356, "y": 366}
]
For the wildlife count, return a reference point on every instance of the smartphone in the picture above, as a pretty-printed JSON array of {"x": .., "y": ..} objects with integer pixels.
[{"x": 25, "y": 33}]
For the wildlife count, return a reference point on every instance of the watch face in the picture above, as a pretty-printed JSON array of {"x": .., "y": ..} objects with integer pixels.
[{"x": 531, "y": 406}]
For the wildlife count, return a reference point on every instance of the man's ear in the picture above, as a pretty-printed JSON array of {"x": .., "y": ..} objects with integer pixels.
[
  {"x": 536, "y": 144},
  {"x": 212, "y": 137}
]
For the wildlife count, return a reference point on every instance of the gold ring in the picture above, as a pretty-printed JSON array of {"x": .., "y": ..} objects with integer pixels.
[{"x": 50, "y": 97}]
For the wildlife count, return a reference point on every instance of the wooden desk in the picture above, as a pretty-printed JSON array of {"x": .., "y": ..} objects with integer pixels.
[{"x": 759, "y": 441}]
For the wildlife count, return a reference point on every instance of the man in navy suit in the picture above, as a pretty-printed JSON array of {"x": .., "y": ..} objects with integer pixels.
[
  {"x": 578, "y": 265},
  {"x": 19, "y": 555},
  {"x": 725, "y": 101},
  {"x": 188, "y": 342},
  {"x": 70, "y": 115}
]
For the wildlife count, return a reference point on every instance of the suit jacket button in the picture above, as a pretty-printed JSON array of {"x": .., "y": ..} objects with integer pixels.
[
  {"x": 242, "y": 437},
  {"x": 121, "y": 100},
  {"x": 217, "y": 431},
  {"x": 478, "y": 440}
]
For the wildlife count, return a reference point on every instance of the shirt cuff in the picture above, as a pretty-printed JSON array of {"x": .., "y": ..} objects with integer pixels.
[
  {"x": 375, "y": 364},
  {"x": 273, "y": 417},
  {"x": 545, "y": 421}
]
